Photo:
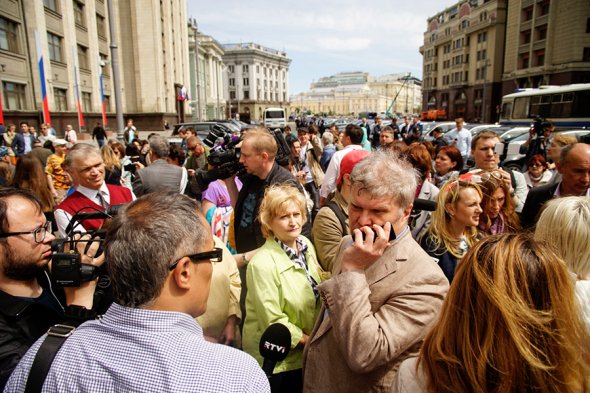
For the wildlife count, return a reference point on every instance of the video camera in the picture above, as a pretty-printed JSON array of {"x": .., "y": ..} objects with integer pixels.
[
  {"x": 67, "y": 269},
  {"x": 225, "y": 158},
  {"x": 540, "y": 125}
]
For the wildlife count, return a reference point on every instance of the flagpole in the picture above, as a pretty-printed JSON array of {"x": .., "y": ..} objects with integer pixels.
[
  {"x": 103, "y": 108},
  {"x": 80, "y": 117},
  {"x": 46, "y": 115}
]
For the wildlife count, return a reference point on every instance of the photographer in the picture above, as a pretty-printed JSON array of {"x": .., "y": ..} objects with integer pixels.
[
  {"x": 29, "y": 304},
  {"x": 537, "y": 140},
  {"x": 257, "y": 155}
]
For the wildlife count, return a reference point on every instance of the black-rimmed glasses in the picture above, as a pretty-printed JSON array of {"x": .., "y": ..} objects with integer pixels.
[
  {"x": 38, "y": 233},
  {"x": 214, "y": 255}
]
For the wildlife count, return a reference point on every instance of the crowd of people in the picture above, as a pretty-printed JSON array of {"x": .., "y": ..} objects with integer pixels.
[{"x": 396, "y": 264}]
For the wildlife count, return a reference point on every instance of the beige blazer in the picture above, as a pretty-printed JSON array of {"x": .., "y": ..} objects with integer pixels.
[{"x": 372, "y": 320}]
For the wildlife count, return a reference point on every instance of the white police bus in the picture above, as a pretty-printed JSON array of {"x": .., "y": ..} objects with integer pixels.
[
  {"x": 274, "y": 118},
  {"x": 566, "y": 106}
]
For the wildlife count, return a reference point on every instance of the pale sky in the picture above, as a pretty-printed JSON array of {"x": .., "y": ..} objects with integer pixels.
[{"x": 323, "y": 38}]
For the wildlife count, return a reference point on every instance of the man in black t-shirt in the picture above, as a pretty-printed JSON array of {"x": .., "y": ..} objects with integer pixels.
[{"x": 28, "y": 303}]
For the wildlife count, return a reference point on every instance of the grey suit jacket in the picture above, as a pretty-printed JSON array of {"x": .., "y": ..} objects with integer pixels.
[
  {"x": 159, "y": 176},
  {"x": 372, "y": 320}
]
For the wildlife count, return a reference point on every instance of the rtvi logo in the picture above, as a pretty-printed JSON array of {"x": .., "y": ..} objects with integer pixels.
[{"x": 274, "y": 347}]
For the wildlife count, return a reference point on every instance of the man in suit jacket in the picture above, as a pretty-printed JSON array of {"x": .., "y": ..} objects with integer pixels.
[
  {"x": 574, "y": 167},
  {"x": 23, "y": 141},
  {"x": 377, "y": 310},
  {"x": 159, "y": 175}
]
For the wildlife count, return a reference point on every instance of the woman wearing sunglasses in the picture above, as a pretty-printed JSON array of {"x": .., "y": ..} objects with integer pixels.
[
  {"x": 538, "y": 172},
  {"x": 281, "y": 279},
  {"x": 453, "y": 229}
]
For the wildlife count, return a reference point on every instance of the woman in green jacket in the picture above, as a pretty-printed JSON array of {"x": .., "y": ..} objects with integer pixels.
[{"x": 281, "y": 280}]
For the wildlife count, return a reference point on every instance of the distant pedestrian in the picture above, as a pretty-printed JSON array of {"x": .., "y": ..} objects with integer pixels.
[
  {"x": 99, "y": 134},
  {"x": 70, "y": 135}
]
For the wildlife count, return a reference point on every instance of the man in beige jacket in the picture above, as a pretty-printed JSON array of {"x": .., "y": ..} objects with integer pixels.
[{"x": 377, "y": 310}]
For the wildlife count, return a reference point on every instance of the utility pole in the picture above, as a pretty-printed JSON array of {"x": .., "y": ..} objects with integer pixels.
[{"x": 115, "y": 66}]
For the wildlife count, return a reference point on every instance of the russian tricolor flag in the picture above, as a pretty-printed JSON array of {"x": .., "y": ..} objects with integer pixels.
[{"x": 46, "y": 116}]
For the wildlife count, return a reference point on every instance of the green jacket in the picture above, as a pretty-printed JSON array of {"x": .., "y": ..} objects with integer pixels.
[{"x": 278, "y": 291}]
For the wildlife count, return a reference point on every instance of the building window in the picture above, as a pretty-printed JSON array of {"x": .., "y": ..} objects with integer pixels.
[
  {"x": 83, "y": 57},
  {"x": 527, "y": 14},
  {"x": 586, "y": 54},
  {"x": 257, "y": 69},
  {"x": 61, "y": 100},
  {"x": 9, "y": 35},
  {"x": 540, "y": 57},
  {"x": 230, "y": 68},
  {"x": 525, "y": 37},
  {"x": 79, "y": 14},
  {"x": 232, "y": 81},
  {"x": 54, "y": 43},
  {"x": 100, "y": 26},
  {"x": 246, "y": 82},
  {"x": 482, "y": 37},
  {"x": 14, "y": 96},
  {"x": 245, "y": 68},
  {"x": 588, "y": 25},
  {"x": 246, "y": 94},
  {"x": 543, "y": 8},
  {"x": 86, "y": 101},
  {"x": 232, "y": 95},
  {"x": 51, "y": 4},
  {"x": 524, "y": 61},
  {"x": 541, "y": 33}
]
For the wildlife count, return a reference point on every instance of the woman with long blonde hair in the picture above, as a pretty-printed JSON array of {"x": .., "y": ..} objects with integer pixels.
[
  {"x": 565, "y": 225},
  {"x": 453, "y": 226},
  {"x": 112, "y": 166},
  {"x": 508, "y": 324}
]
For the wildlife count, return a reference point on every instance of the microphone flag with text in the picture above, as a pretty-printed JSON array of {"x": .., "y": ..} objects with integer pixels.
[{"x": 274, "y": 347}]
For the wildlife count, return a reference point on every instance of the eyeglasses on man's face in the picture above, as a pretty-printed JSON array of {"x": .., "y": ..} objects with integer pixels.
[
  {"x": 38, "y": 233},
  {"x": 214, "y": 255}
]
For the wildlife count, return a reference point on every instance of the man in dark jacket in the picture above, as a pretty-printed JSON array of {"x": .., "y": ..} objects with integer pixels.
[
  {"x": 258, "y": 153},
  {"x": 99, "y": 134},
  {"x": 28, "y": 303}
]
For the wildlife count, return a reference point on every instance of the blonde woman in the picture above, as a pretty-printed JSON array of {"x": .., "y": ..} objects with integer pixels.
[
  {"x": 453, "y": 229},
  {"x": 112, "y": 166},
  {"x": 281, "y": 280},
  {"x": 508, "y": 324},
  {"x": 564, "y": 224}
]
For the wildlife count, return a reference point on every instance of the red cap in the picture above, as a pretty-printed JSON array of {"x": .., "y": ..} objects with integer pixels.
[{"x": 349, "y": 161}]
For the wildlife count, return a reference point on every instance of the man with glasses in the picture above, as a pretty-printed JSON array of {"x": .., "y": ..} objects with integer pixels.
[
  {"x": 483, "y": 150},
  {"x": 159, "y": 251},
  {"x": 29, "y": 305},
  {"x": 45, "y": 134}
]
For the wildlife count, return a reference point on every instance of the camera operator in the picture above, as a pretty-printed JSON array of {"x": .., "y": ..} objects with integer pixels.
[
  {"x": 258, "y": 151},
  {"x": 160, "y": 253},
  {"x": 29, "y": 304},
  {"x": 86, "y": 167},
  {"x": 537, "y": 140}
]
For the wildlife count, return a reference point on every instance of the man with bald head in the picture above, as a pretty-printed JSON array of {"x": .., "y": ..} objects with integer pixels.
[{"x": 574, "y": 167}]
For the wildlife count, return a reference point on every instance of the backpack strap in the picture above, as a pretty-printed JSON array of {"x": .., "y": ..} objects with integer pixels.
[{"x": 339, "y": 214}]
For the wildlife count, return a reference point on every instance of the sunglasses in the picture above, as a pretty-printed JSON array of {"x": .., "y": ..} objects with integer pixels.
[{"x": 214, "y": 255}]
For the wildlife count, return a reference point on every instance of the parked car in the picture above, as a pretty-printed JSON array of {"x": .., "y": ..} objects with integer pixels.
[
  {"x": 498, "y": 129},
  {"x": 444, "y": 126}
]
